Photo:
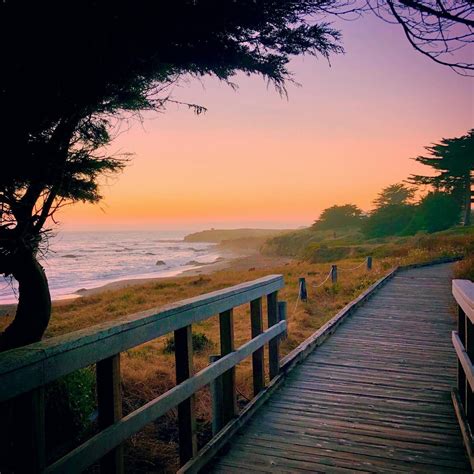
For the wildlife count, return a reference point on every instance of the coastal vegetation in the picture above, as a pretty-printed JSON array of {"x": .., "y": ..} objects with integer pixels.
[
  {"x": 148, "y": 370},
  {"x": 61, "y": 143}
]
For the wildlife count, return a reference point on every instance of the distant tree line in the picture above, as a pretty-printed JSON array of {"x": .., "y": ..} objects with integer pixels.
[{"x": 396, "y": 212}]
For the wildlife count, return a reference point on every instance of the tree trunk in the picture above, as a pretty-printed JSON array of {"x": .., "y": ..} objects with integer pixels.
[{"x": 34, "y": 305}]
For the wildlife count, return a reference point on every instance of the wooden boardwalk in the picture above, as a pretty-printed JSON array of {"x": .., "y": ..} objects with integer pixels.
[{"x": 375, "y": 397}]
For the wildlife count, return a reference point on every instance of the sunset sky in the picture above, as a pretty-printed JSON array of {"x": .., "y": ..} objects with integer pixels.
[{"x": 256, "y": 159}]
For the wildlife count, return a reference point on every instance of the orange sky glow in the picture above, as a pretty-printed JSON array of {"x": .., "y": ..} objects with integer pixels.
[{"x": 256, "y": 159}]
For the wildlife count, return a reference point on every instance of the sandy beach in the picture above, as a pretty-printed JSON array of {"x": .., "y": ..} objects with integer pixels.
[{"x": 239, "y": 261}]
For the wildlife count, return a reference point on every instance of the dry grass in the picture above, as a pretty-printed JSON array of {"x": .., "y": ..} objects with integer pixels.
[{"x": 148, "y": 371}]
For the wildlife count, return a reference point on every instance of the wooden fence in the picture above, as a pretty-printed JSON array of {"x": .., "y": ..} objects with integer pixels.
[
  {"x": 463, "y": 342},
  {"x": 24, "y": 373}
]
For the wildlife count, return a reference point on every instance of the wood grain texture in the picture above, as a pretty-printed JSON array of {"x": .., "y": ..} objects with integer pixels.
[
  {"x": 375, "y": 397},
  {"x": 24, "y": 369}
]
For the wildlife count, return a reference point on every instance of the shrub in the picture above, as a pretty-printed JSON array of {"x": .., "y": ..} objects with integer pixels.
[
  {"x": 388, "y": 220},
  {"x": 70, "y": 402},
  {"x": 438, "y": 211},
  {"x": 465, "y": 269}
]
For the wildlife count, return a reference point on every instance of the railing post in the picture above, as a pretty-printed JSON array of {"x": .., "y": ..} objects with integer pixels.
[
  {"x": 183, "y": 343},
  {"x": 282, "y": 316},
  {"x": 24, "y": 436},
  {"x": 229, "y": 395},
  {"x": 369, "y": 263},
  {"x": 216, "y": 400},
  {"x": 302, "y": 293},
  {"x": 258, "y": 365},
  {"x": 274, "y": 344},
  {"x": 334, "y": 274},
  {"x": 469, "y": 346},
  {"x": 109, "y": 402},
  {"x": 461, "y": 374}
]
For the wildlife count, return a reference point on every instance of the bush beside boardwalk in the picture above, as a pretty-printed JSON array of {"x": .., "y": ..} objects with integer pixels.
[{"x": 149, "y": 369}]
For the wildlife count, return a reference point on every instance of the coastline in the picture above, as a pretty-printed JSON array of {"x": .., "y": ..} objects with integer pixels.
[{"x": 239, "y": 260}]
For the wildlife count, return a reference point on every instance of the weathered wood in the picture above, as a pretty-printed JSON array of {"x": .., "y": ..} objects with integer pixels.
[
  {"x": 229, "y": 394},
  {"x": 258, "y": 364},
  {"x": 334, "y": 274},
  {"x": 305, "y": 348},
  {"x": 273, "y": 345},
  {"x": 464, "y": 360},
  {"x": 463, "y": 292},
  {"x": 465, "y": 426},
  {"x": 302, "y": 292},
  {"x": 183, "y": 343},
  {"x": 216, "y": 400},
  {"x": 109, "y": 403},
  {"x": 469, "y": 346},
  {"x": 24, "y": 369},
  {"x": 379, "y": 403},
  {"x": 218, "y": 442},
  {"x": 282, "y": 315},
  {"x": 97, "y": 446}
]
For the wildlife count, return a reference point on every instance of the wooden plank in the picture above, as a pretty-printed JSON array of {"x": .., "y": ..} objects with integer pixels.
[
  {"x": 273, "y": 345},
  {"x": 183, "y": 343},
  {"x": 258, "y": 365},
  {"x": 463, "y": 292},
  {"x": 95, "y": 447},
  {"x": 109, "y": 403},
  {"x": 429, "y": 457},
  {"x": 212, "y": 448},
  {"x": 374, "y": 397},
  {"x": 22, "y": 370},
  {"x": 306, "y": 347},
  {"x": 464, "y": 425},
  {"x": 463, "y": 359},
  {"x": 469, "y": 346},
  {"x": 229, "y": 395}
]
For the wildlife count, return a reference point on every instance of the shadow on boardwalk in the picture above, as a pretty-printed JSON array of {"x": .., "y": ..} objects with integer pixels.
[{"x": 375, "y": 397}]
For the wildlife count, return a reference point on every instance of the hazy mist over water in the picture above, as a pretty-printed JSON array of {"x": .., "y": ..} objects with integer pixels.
[{"x": 78, "y": 260}]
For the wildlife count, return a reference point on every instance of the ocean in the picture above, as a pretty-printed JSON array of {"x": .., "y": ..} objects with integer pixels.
[{"x": 84, "y": 260}]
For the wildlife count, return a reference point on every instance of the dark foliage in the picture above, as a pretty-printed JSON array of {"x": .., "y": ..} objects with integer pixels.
[
  {"x": 442, "y": 30},
  {"x": 395, "y": 194},
  {"x": 453, "y": 161},
  {"x": 337, "y": 217},
  {"x": 437, "y": 211},
  {"x": 388, "y": 220},
  {"x": 72, "y": 71}
]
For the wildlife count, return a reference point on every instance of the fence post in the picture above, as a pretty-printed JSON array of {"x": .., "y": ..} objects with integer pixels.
[
  {"x": 216, "y": 400},
  {"x": 369, "y": 263},
  {"x": 274, "y": 344},
  {"x": 29, "y": 434},
  {"x": 183, "y": 343},
  {"x": 258, "y": 365},
  {"x": 282, "y": 316},
  {"x": 302, "y": 293},
  {"x": 461, "y": 374},
  {"x": 109, "y": 403},
  {"x": 469, "y": 345},
  {"x": 229, "y": 396},
  {"x": 334, "y": 274}
]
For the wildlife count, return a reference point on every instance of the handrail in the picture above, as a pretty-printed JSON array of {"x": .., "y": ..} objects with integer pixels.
[
  {"x": 24, "y": 372},
  {"x": 463, "y": 343},
  {"x": 463, "y": 292},
  {"x": 24, "y": 369}
]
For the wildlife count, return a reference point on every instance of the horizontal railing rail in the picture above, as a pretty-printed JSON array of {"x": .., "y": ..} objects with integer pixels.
[
  {"x": 24, "y": 372},
  {"x": 463, "y": 342}
]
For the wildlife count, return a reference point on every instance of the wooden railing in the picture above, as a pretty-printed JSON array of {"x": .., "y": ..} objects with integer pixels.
[
  {"x": 24, "y": 372},
  {"x": 463, "y": 342}
]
